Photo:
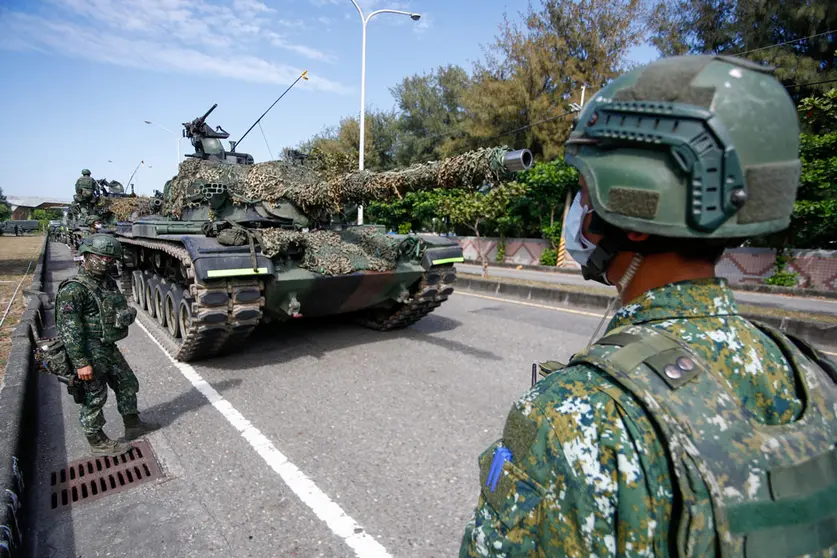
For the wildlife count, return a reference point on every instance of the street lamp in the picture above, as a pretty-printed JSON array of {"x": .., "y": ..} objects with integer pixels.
[
  {"x": 365, "y": 20},
  {"x": 172, "y": 133}
]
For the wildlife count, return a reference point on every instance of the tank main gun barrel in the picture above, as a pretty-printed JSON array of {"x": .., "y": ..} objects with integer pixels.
[
  {"x": 470, "y": 170},
  {"x": 517, "y": 161}
]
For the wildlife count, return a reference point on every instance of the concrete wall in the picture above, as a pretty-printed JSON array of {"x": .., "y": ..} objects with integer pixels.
[{"x": 817, "y": 269}]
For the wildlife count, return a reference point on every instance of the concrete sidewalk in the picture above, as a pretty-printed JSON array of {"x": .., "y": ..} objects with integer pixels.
[{"x": 814, "y": 306}]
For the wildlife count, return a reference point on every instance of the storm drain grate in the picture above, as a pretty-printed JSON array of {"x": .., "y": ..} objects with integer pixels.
[{"x": 93, "y": 478}]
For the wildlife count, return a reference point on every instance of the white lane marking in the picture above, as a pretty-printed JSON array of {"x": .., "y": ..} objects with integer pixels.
[
  {"x": 323, "y": 507},
  {"x": 556, "y": 308}
]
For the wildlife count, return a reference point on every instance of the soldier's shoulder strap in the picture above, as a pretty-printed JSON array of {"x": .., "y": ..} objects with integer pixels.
[
  {"x": 625, "y": 348},
  {"x": 783, "y": 339}
]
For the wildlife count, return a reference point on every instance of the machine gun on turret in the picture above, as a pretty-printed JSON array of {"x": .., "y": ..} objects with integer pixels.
[
  {"x": 207, "y": 142},
  {"x": 113, "y": 188}
]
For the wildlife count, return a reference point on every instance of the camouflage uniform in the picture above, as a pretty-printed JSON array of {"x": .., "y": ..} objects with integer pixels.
[
  {"x": 85, "y": 191},
  {"x": 594, "y": 479},
  {"x": 81, "y": 333},
  {"x": 91, "y": 315},
  {"x": 686, "y": 429}
]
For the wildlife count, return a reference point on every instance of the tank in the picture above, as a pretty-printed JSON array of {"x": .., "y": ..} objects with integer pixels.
[
  {"x": 111, "y": 204},
  {"x": 237, "y": 243}
]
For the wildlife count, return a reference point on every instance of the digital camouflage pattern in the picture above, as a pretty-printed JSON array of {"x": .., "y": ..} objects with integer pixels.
[
  {"x": 80, "y": 329},
  {"x": 317, "y": 189},
  {"x": 589, "y": 474},
  {"x": 109, "y": 369}
]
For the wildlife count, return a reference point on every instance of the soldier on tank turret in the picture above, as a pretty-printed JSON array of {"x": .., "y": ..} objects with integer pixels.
[
  {"x": 91, "y": 316},
  {"x": 87, "y": 190}
]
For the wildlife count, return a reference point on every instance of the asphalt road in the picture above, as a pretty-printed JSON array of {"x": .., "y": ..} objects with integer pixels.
[
  {"x": 794, "y": 303},
  {"x": 387, "y": 425}
]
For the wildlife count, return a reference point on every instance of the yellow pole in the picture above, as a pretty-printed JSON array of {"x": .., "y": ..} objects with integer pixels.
[{"x": 562, "y": 244}]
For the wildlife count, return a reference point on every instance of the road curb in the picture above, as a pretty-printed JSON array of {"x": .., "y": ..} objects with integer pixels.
[
  {"x": 18, "y": 418},
  {"x": 815, "y": 331},
  {"x": 749, "y": 287}
]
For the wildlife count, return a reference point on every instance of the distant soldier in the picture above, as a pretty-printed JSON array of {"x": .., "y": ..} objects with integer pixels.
[
  {"x": 686, "y": 430},
  {"x": 86, "y": 190},
  {"x": 91, "y": 316}
]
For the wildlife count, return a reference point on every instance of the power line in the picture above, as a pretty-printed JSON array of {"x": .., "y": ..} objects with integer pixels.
[
  {"x": 812, "y": 83},
  {"x": 785, "y": 43}
]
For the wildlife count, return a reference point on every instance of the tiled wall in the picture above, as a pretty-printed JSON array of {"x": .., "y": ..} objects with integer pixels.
[{"x": 817, "y": 269}]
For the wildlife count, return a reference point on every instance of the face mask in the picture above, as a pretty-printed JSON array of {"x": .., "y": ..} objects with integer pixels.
[
  {"x": 97, "y": 266},
  {"x": 578, "y": 247}
]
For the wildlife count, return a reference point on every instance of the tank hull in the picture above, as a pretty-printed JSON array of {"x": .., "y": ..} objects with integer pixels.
[{"x": 206, "y": 298}]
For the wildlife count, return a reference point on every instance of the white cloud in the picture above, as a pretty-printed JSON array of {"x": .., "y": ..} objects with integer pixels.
[
  {"x": 281, "y": 41},
  {"x": 183, "y": 36}
]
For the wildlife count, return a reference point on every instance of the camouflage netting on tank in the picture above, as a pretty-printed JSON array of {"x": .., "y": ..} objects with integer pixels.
[
  {"x": 123, "y": 208},
  {"x": 318, "y": 192},
  {"x": 335, "y": 253}
]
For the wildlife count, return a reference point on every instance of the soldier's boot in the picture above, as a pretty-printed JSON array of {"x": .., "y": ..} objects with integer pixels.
[
  {"x": 136, "y": 427},
  {"x": 100, "y": 444}
]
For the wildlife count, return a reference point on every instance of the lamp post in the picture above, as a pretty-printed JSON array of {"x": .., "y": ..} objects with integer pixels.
[
  {"x": 365, "y": 20},
  {"x": 172, "y": 133}
]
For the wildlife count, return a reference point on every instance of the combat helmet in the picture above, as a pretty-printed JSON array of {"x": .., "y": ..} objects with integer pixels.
[
  {"x": 85, "y": 172},
  {"x": 101, "y": 245},
  {"x": 688, "y": 148}
]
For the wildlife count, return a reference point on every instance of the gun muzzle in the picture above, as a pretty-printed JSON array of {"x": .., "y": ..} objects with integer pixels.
[
  {"x": 156, "y": 203},
  {"x": 519, "y": 160}
]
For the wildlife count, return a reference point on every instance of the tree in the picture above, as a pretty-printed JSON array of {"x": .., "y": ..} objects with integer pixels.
[
  {"x": 431, "y": 114},
  {"x": 474, "y": 209},
  {"x": 5, "y": 209},
  {"x": 789, "y": 34},
  {"x": 521, "y": 93},
  {"x": 380, "y": 132}
]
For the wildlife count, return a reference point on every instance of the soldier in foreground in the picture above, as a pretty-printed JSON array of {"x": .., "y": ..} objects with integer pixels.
[
  {"x": 91, "y": 316},
  {"x": 686, "y": 430}
]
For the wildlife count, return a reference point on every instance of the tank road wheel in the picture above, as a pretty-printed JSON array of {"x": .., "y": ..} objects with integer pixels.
[
  {"x": 160, "y": 292},
  {"x": 150, "y": 285},
  {"x": 172, "y": 304},
  {"x": 435, "y": 287},
  {"x": 194, "y": 319},
  {"x": 184, "y": 315},
  {"x": 138, "y": 288}
]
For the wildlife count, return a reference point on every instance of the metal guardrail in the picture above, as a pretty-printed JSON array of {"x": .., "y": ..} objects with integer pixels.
[{"x": 17, "y": 415}]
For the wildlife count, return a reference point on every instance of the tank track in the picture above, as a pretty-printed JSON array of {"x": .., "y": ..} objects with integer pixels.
[
  {"x": 435, "y": 287},
  {"x": 223, "y": 312}
]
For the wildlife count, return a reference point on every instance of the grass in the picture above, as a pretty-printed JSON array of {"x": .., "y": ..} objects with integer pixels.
[{"x": 15, "y": 254}]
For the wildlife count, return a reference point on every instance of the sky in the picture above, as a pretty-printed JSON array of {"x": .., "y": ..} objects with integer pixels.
[{"x": 80, "y": 77}]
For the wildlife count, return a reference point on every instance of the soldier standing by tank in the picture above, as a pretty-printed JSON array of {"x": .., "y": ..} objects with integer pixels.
[
  {"x": 91, "y": 315},
  {"x": 686, "y": 429}
]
